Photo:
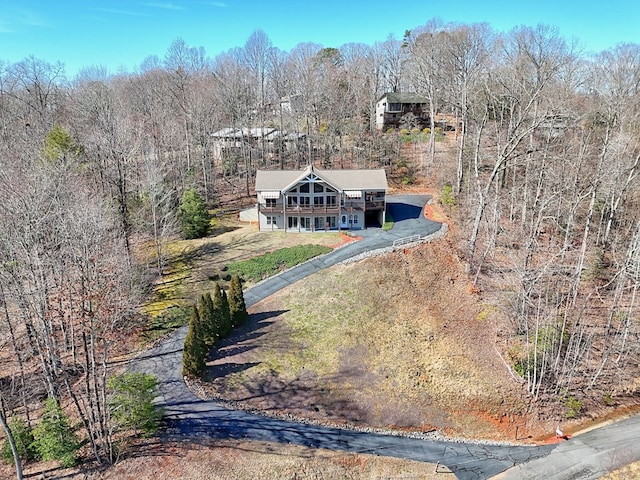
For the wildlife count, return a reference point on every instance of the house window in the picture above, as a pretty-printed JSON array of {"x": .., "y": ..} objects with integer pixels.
[
  {"x": 292, "y": 222},
  {"x": 331, "y": 222},
  {"x": 292, "y": 201},
  {"x": 304, "y": 188},
  {"x": 318, "y": 223},
  {"x": 305, "y": 223},
  {"x": 344, "y": 219},
  {"x": 318, "y": 201},
  {"x": 271, "y": 220},
  {"x": 355, "y": 219},
  {"x": 271, "y": 202},
  {"x": 332, "y": 200},
  {"x": 395, "y": 107},
  {"x": 318, "y": 188},
  {"x": 305, "y": 201}
]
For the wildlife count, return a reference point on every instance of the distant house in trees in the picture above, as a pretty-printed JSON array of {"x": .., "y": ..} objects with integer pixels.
[
  {"x": 394, "y": 107},
  {"x": 318, "y": 200},
  {"x": 235, "y": 142},
  {"x": 285, "y": 107},
  {"x": 409, "y": 110}
]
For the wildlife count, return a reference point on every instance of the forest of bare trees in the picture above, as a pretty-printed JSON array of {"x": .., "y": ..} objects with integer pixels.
[{"x": 543, "y": 165}]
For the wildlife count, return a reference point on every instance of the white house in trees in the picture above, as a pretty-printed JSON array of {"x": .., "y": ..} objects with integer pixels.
[{"x": 312, "y": 200}]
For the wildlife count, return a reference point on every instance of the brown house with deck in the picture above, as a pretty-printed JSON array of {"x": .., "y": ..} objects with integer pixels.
[{"x": 312, "y": 200}]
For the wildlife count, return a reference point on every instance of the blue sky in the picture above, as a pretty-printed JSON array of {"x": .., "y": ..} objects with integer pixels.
[{"x": 121, "y": 33}]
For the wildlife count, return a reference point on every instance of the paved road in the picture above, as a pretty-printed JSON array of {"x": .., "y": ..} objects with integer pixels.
[
  {"x": 187, "y": 415},
  {"x": 587, "y": 456}
]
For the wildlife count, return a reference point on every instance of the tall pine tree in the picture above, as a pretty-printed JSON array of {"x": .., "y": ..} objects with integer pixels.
[
  {"x": 195, "y": 350},
  {"x": 193, "y": 215},
  {"x": 237, "y": 307}
]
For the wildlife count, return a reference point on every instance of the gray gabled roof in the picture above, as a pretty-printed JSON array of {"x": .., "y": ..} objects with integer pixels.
[
  {"x": 269, "y": 180},
  {"x": 254, "y": 133},
  {"x": 403, "y": 97}
]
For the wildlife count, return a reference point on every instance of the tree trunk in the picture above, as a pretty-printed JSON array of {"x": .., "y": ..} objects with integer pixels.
[{"x": 16, "y": 456}]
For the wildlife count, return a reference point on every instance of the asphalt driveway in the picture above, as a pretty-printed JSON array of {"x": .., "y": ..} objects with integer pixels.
[{"x": 187, "y": 415}]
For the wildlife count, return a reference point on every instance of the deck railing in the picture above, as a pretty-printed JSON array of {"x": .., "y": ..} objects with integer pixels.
[{"x": 313, "y": 209}]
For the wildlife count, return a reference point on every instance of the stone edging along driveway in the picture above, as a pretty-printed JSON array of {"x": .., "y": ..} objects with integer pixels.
[{"x": 185, "y": 414}]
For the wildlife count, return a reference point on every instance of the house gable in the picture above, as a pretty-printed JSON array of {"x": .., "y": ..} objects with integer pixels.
[{"x": 310, "y": 175}]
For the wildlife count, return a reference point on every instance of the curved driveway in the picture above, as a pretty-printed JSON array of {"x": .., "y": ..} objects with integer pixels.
[{"x": 187, "y": 415}]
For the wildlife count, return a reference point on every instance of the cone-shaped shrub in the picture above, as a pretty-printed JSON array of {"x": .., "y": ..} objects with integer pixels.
[
  {"x": 208, "y": 319},
  {"x": 221, "y": 310},
  {"x": 195, "y": 350},
  {"x": 237, "y": 307}
]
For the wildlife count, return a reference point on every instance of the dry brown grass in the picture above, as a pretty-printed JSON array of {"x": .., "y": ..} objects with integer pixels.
[
  {"x": 628, "y": 472},
  {"x": 397, "y": 341}
]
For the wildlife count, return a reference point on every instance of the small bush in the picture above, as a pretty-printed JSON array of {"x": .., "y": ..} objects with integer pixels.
[
  {"x": 608, "y": 399},
  {"x": 54, "y": 438},
  {"x": 520, "y": 368},
  {"x": 408, "y": 180},
  {"x": 23, "y": 438},
  {"x": 485, "y": 312},
  {"x": 131, "y": 402},
  {"x": 597, "y": 268},
  {"x": 388, "y": 222},
  {"x": 446, "y": 197},
  {"x": 518, "y": 359},
  {"x": 574, "y": 406}
]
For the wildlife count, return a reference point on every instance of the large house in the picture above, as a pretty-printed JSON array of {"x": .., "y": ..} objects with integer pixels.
[{"x": 312, "y": 200}]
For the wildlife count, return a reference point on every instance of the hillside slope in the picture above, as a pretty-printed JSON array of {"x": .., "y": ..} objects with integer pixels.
[{"x": 398, "y": 341}]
